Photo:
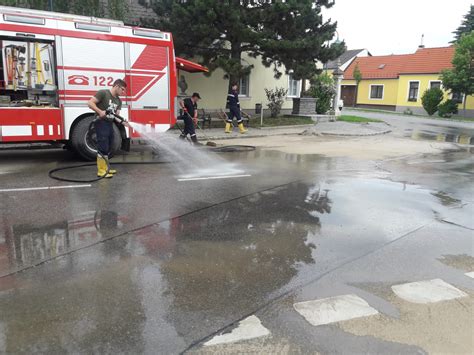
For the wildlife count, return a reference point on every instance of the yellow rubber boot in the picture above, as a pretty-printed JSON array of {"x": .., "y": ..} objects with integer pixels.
[
  {"x": 228, "y": 127},
  {"x": 102, "y": 168},
  {"x": 111, "y": 171},
  {"x": 242, "y": 128}
]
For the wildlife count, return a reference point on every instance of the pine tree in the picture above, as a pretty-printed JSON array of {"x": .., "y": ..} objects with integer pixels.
[
  {"x": 283, "y": 34},
  {"x": 467, "y": 25}
]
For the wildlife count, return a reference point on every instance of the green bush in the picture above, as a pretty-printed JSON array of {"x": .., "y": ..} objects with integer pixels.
[
  {"x": 323, "y": 89},
  {"x": 276, "y": 99},
  {"x": 431, "y": 100},
  {"x": 448, "y": 108}
]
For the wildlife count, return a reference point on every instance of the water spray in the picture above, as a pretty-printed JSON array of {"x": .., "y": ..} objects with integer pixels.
[{"x": 189, "y": 161}]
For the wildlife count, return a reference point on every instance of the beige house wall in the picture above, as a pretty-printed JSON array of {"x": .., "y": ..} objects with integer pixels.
[{"x": 213, "y": 89}]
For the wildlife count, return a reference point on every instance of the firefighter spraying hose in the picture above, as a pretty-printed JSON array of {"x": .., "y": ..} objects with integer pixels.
[{"x": 107, "y": 105}]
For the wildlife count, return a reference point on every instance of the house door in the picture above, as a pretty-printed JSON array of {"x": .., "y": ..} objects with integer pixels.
[{"x": 348, "y": 95}]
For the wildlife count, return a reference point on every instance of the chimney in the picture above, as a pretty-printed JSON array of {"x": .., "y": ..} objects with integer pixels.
[{"x": 421, "y": 46}]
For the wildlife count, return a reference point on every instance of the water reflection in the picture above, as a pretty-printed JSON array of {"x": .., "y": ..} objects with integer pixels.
[
  {"x": 441, "y": 137},
  {"x": 146, "y": 291},
  {"x": 24, "y": 245},
  {"x": 252, "y": 247}
]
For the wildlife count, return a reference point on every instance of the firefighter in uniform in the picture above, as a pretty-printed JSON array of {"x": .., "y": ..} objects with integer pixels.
[
  {"x": 233, "y": 105},
  {"x": 189, "y": 116},
  {"x": 106, "y": 103}
]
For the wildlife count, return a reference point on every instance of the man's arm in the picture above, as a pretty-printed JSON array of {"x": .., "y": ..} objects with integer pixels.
[{"x": 92, "y": 103}]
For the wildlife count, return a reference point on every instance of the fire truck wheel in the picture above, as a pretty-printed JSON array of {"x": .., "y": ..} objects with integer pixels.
[{"x": 84, "y": 142}]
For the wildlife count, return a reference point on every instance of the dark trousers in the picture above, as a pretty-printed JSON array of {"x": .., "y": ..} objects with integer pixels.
[
  {"x": 234, "y": 112},
  {"x": 188, "y": 126},
  {"x": 104, "y": 131}
]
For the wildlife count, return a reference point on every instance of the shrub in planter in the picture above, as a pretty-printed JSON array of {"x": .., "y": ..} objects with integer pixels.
[
  {"x": 323, "y": 89},
  {"x": 276, "y": 98}
]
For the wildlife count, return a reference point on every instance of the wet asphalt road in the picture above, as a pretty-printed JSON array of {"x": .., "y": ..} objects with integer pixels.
[
  {"x": 145, "y": 263},
  {"x": 423, "y": 128}
]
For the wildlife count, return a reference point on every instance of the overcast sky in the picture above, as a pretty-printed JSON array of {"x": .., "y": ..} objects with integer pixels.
[{"x": 396, "y": 26}]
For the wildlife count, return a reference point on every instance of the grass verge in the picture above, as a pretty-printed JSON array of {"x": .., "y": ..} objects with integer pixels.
[
  {"x": 458, "y": 118},
  {"x": 356, "y": 119}
]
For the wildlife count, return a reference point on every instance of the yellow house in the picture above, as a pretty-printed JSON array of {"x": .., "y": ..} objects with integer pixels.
[{"x": 397, "y": 82}]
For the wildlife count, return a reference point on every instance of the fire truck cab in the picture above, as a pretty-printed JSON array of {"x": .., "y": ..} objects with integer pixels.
[{"x": 51, "y": 64}]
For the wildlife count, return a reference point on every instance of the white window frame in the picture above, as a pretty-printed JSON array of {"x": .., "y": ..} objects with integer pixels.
[
  {"x": 436, "y": 81},
  {"x": 298, "y": 94},
  {"x": 370, "y": 92},
  {"x": 417, "y": 93},
  {"x": 248, "y": 87},
  {"x": 462, "y": 96}
]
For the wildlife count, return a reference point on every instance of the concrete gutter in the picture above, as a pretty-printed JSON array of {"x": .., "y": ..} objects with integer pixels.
[
  {"x": 285, "y": 127},
  {"x": 356, "y": 134}
]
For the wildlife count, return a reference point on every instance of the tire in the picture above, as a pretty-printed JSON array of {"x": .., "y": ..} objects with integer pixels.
[{"x": 85, "y": 144}]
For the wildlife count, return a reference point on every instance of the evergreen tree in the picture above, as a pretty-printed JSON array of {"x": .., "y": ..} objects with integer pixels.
[
  {"x": 288, "y": 33},
  {"x": 467, "y": 25}
]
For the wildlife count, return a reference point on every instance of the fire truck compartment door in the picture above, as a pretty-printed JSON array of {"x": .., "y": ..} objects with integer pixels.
[{"x": 148, "y": 77}]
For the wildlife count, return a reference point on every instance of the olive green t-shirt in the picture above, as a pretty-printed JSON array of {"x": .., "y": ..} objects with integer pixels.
[{"x": 107, "y": 101}]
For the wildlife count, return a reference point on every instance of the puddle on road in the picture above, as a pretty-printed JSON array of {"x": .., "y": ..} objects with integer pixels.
[
  {"x": 204, "y": 268},
  {"x": 155, "y": 289}
]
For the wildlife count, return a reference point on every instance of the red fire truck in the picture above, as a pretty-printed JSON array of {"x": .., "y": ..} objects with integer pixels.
[{"x": 52, "y": 63}]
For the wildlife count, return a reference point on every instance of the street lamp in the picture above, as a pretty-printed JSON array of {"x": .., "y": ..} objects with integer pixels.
[{"x": 338, "y": 74}]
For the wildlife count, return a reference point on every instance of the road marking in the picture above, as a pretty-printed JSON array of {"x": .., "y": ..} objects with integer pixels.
[
  {"x": 427, "y": 291},
  {"x": 249, "y": 328},
  {"x": 470, "y": 274},
  {"x": 334, "y": 309},
  {"x": 45, "y": 188},
  {"x": 214, "y": 177}
]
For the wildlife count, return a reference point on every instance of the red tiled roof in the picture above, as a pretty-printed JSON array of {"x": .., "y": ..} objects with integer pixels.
[{"x": 423, "y": 61}]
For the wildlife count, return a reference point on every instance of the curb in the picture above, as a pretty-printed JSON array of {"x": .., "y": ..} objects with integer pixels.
[
  {"x": 355, "y": 134},
  {"x": 208, "y": 138},
  {"x": 285, "y": 127},
  {"x": 437, "y": 118}
]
